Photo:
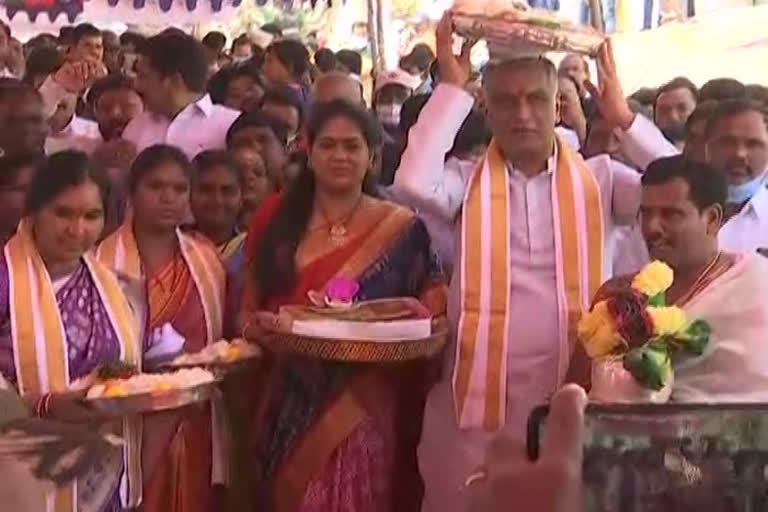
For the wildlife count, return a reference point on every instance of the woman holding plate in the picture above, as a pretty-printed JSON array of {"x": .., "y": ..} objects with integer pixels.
[
  {"x": 184, "y": 285},
  {"x": 328, "y": 435},
  {"x": 56, "y": 300}
]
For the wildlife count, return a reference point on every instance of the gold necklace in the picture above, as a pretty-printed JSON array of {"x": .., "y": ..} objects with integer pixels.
[
  {"x": 692, "y": 289},
  {"x": 337, "y": 229}
]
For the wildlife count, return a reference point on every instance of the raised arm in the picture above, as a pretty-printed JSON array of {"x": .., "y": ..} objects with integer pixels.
[
  {"x": 641, "y": 141},
  {"x": 421, "y": 176}
]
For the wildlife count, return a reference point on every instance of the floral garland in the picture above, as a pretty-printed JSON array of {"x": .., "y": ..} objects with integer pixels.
[{"x": 637, "y": 324}]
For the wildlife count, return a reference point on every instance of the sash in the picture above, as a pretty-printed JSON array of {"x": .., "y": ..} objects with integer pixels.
[
  {"x": 120, "y": 252},
  {"x": 40, "y": 347},
  {"x": 231, "y": 246},
  {"x": 480, "y": 370}
]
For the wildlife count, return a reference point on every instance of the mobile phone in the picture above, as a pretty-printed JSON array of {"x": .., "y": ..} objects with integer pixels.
[{"x": 671, "y": 457}]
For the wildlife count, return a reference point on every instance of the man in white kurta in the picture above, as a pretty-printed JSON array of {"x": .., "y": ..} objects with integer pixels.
[{"x": 536, "y": 358}]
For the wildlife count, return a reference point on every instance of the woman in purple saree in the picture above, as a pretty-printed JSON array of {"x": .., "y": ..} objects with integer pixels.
[{"x": 57, "y": 300}]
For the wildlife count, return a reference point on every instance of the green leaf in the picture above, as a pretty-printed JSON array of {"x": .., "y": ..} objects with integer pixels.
[
  {"x": 695, "y": 337},
  {"x": 651, "y": 366},
  {"x": 658, "y": 300}
]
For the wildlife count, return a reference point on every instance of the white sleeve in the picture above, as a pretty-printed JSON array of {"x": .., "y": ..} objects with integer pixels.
[
  {"x": 643, "y": 143},
  {"x": 52, "y": 94},
  {"x": 421, "y": 175},
  {"x": 625, "y": 196}
]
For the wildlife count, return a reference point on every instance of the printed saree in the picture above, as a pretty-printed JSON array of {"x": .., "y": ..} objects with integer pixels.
[
  {"x": 92, "y": 339},
  {"x": 342, "y": 437}
]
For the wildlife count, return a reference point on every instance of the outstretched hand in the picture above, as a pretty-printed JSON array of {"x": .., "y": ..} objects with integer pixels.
[
  {"x": 608, "y": 94},
  {"x": 454, "y": 69}
]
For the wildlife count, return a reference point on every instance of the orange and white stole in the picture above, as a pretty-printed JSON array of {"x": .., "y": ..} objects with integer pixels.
[
  {"x": 120, "y": 252},
  {"x": 480, "y": 370},
  {"x": 40, "y": 347}
]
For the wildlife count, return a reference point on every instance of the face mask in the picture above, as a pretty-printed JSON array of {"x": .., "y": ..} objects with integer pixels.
[
  {"x": 389, "y": 115},
  {"x": 738, "y": 194}
]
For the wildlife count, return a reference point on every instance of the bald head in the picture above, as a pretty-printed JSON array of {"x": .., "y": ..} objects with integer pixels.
[
  {"x": 337, "y": 86},
  {"x": 576, "y": 67}
]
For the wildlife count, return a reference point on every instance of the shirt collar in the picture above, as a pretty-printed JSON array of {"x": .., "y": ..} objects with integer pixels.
[
  {"x": 205, "y": 105},
  {"x": 759, "y": 204}
]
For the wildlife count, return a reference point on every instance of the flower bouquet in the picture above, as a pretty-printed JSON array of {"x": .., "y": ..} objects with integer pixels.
[{"x": 634, "y": 337}]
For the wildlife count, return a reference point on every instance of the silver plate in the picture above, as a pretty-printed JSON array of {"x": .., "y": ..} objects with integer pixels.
[{"x": 152, "y": 402}]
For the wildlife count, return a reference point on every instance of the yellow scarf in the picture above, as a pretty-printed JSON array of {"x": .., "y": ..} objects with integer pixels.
[
  {"x": 120, "y": 252},
  {"x": 40, "y": 345},
  {"x": 480, "y": 370}
]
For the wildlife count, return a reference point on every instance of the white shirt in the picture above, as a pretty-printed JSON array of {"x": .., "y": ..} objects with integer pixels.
[
  {"x": 747, "y": 231},
  {"x": 446, "y": 454},
  {"x": 80, "y": 134},
  {"x": 199, "y": 127}
]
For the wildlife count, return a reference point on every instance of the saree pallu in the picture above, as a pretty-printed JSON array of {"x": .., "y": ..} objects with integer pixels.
[
  {"x": 91, "y": 339},
  {"x": 342, "y": 437},
  {"x": 186, "y": 293},
  {"x": 177, "y": 445}
]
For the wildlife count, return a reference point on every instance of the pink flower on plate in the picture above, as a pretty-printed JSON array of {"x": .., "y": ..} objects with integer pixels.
[{"x": 341, "y": 291}]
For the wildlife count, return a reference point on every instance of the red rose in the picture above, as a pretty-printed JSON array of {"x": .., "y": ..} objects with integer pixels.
[{"x": 632, "y": 320}]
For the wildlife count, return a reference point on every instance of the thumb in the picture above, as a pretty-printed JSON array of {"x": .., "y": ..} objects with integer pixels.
[
  {"x": 564, "y": 435},
  {"x": 466, "y": 51}
]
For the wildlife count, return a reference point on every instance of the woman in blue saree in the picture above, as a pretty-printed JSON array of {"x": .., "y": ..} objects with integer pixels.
[{"x": 331, "y": 436}]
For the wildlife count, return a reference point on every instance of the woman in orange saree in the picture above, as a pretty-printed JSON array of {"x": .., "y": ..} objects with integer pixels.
[
  {"x": 184, "y": 290},
  {"x": 337, "y": 437}
]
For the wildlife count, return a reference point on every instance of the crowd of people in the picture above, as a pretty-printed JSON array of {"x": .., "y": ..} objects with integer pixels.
[{"x": 160, "y": 193}]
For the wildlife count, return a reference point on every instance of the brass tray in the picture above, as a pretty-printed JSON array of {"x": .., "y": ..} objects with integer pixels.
[
  {"x": 358, "y": 351},
  {"x": 153, "y": 402}
]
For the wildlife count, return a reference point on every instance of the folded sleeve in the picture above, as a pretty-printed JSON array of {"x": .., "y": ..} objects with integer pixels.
[
  {"x": 420, "y": 176},
  {"x": 643, "y": 143}
]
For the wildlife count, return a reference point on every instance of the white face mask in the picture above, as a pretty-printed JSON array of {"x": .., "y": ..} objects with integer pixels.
[{"x": 389, "y": 114}]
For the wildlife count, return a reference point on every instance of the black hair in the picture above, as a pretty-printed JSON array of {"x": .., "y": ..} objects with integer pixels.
[
  {"x": 409, "y": 113},
  {"x": 546, "y": 65},
  {"x": 722, "y": 89},
  {"x": 61, "y": 171},
  {"x": 421, "y": 57},
  {"x": 154, "y": 156},
  {"x": 679, "y": 82},
  {"x": 170, "y": 53},
  {"x": 473, "y": 132},
  {"x": 702, "y": 112},
  {"x": 325, "y": 60},
  {"x": 734, "y": 107},
  {"x": 258, "y": 119},
  {"x": 275, "y": 267},
  {"x": 207, "y": 160},
  {"x": 351, "y": 60},
  {"x": 10, "y": 165},
  {"x": 5, "y": 28},
  {"x": 219, "y": 82},
  {"x": 284, "y": 96},
  {"x": 66, "y": 34},
  {"x": 645, "y": 95},
  {"x": 42, "y": 61},
  {"x": 757, "y": 93},
  {"x": 132, "y": 39},
  {"x": 215, "y": 41},
  {"x": 241, "y": 40},
  {"x": 112, "y": 82},
  {"x": 41, "y": 40},
  {"x": 84, "y": 30},
  {"x": 434, "y": 71},
  {"x": 707, "y": 186},
  {"x": 292, "y": 54}
]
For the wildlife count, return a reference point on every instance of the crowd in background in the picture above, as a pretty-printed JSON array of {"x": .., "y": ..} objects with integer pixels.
[{"x": 221, "y": 180}]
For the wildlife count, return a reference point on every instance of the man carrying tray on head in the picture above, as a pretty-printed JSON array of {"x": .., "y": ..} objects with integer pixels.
[{"x": 532, "y": 224}]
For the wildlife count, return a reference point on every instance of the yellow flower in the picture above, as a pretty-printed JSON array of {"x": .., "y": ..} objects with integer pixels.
[
  {"x": 597, "y": 331},
  {"x": 667, "y": 320},
  {"x": 656, "y": 277}
]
